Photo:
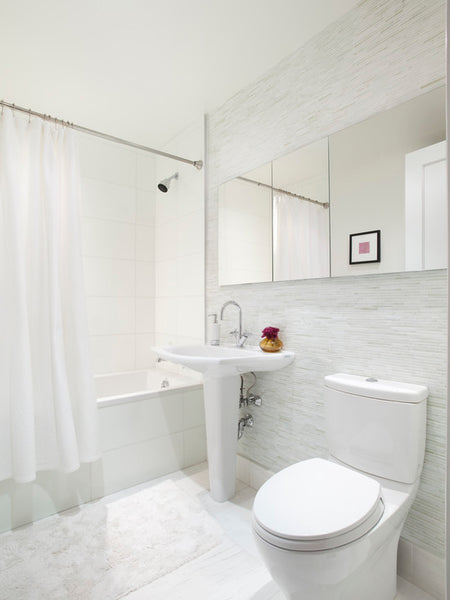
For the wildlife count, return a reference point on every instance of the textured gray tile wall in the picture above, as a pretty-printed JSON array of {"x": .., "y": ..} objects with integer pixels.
[{"x": 391, "y": 326}]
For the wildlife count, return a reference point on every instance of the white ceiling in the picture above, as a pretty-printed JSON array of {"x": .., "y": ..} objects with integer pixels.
[{"x": 144, "y": 69}]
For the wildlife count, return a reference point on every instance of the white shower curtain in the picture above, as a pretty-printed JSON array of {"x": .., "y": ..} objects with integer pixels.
[
  {"x": 48, "y": 415},
  {"x": 300, "y": 241}
]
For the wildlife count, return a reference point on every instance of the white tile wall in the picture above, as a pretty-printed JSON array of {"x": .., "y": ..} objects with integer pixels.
[
  {"x": 118, "y": 229},
  {"x": 109, "y": 277},
  {"x": 113, "y": 353},
  {"x": 105, "y": 200},
  {"x": 393, "y": 326},
  {"x": 179, "y": 245}
]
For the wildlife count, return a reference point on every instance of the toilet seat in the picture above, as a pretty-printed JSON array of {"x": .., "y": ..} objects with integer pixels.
[{"x": 316, "y": 505}]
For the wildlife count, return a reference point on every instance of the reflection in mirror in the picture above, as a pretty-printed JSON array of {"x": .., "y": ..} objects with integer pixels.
[
  {"x": 372, "y": 165},
  {"x": 301, "y": 214},
  {"x": 387, "y": 174},
  {"x": 245, "y": 228}
]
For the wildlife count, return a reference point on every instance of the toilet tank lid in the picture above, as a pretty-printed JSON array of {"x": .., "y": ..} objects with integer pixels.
[{"x": 381, "y": 389}]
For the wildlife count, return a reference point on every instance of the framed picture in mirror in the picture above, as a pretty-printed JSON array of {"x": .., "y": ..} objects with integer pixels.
[{"x": 365, "y": 247}]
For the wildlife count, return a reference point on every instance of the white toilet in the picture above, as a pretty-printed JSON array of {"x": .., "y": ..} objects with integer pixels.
[{"x": 329, "y": 529}]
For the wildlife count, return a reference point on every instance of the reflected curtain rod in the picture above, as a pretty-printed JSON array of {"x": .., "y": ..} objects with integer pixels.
[
  {"x": 198, "y": 164},
  {"x": 266, "y": 185}
]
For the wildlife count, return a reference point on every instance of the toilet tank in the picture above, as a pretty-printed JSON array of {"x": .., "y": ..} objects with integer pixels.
[{"x": 376, "y": 426}]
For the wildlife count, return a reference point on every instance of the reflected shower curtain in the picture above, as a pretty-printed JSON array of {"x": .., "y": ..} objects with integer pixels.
[
  {"x": 48, "y": 415},
  {"x": 300, "y": 241}
]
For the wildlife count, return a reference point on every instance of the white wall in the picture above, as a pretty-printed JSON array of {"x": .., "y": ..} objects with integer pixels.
[
  {"x": 179, "y": 244},
  {"x": 391, "y": 326},
  {"x": 118, "y": 233}
]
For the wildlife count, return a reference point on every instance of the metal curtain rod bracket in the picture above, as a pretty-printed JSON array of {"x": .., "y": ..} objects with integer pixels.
[
  {"x": 198, "y": 164},
  {"x": 266, "y": 185}
]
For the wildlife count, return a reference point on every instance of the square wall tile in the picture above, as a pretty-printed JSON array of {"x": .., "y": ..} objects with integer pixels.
[
  {"x": 181, "y": 340},
  {"x": 145, "y": 243},
  {"x": 258, "y": 475},
  {"x": 191, "y": 195},
  {"x": 190, "y": 316},
  {"x": 108, "y": 316},
  {"x": 428, "y": 572},
  {"x": 108, "y": 239},
  {"x": 112, "y": 353},
  {"x": 166, "y": 204},
  {"x": 145, "y": 315},
  {"x": 404, "y": 559},
  {"x": 166, "y": 241},
  {"x": 109, "y": 276},
  {"x": 104, "y": 200},
  {"x": 145, "y": 357},
  {"x": 191, "y": 275},
  {"x": 243, "y": 469},
  {"x": 107, "y": 161},
  {"x": 165, "y": 339},
  {"x": 146, "y": 176},
  {"x": 166, "y": 278},
  {"x": 145, "y": 278},
  {"x": 166, "y": 315},
  {"x": 145, "y": 207},
  {"x": 191, "y": 234}
]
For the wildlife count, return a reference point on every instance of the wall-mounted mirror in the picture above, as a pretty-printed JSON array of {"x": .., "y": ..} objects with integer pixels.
[
  {"x": 369, "y": 199},
  {"x": 301, "y": 214},
  {"x": 373, "y": 184},
  {"x": 245, "y": 228}
]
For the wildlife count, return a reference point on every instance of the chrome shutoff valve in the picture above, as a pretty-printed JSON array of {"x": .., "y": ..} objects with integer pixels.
[
  {"x": 245, "y": 421},
  {"x": 254, "y": 399}
]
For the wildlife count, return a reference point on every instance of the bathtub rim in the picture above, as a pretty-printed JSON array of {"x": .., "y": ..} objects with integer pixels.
[{"x": 113, "y": 400}]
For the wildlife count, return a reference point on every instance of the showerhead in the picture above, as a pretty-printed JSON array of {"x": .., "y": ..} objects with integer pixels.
[{"x": 164, "y": 185}]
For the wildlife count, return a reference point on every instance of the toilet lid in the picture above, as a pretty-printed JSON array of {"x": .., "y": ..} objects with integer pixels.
[{"x": 317, "y": 502}]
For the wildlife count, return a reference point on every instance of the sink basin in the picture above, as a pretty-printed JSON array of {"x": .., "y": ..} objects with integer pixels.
[
  {"x": 222, "y": 361},
  {"x": 221, "y": 367}
]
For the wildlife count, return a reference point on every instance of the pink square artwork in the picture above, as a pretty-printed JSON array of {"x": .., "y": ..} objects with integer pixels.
[{"x": 364, "y": 248}]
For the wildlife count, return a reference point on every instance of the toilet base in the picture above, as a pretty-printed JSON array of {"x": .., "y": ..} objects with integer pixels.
[{"x": 351, "y": 572}]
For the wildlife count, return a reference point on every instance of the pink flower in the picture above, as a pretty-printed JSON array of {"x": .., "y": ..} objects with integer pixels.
[{"x": 271, "y": 333}]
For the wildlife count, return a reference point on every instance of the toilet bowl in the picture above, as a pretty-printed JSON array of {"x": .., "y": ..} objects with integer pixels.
[{"x": 329, "y": 531}]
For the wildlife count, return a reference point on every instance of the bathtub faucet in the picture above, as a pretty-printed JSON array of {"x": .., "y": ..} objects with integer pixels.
[{"x": 241, "y": 338}]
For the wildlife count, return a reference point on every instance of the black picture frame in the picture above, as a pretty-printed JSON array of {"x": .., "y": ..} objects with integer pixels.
[{"x": 365, "y": 247}]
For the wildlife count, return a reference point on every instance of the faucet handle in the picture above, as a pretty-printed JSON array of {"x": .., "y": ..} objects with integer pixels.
[
  {"x": 235, "y": 332},
  {"x": 242, "y": 339}
]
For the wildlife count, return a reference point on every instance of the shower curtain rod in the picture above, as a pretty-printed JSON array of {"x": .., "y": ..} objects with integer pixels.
[
  {"x": 198, "y": 164},
  {"x": 266, "y": 185}
]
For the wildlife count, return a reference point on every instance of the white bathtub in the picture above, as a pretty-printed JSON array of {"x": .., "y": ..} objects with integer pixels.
[
  {"x": 119, "y": 388},
  {"x": 151, "y": 423}
]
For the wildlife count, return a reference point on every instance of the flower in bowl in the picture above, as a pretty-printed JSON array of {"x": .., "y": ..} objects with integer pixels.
[{"x": 271, "y": 333}]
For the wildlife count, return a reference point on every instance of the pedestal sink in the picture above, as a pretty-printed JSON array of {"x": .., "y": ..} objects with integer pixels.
[{"x": 221, "y": 367}]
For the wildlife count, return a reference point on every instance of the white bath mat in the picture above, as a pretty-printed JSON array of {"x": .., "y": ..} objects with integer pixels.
[{"x": 104, "y": 551}]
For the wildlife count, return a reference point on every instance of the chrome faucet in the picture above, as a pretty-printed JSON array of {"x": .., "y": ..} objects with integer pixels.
[{"x": 240, "y": 337}]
